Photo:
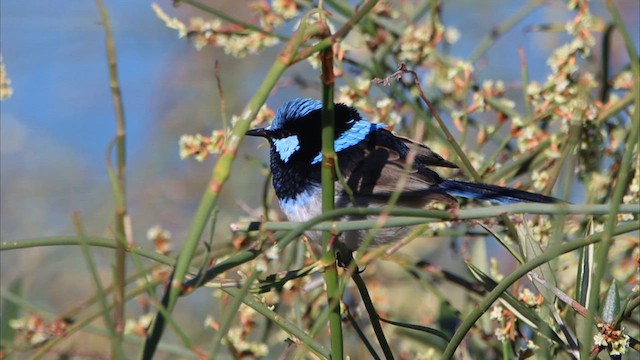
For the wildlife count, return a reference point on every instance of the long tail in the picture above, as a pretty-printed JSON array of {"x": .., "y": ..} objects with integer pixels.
[{"x": 493, "y": 193}]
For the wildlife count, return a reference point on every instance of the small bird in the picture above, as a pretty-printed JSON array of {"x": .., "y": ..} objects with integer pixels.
[{"x": 371, "y": 159}]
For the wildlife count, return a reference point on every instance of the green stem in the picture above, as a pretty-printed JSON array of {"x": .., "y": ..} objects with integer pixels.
[
  {"x": 85, "y": 321},
  {"x": 328, "y": 176},
  {"x": 509, "y": 280},
  {"x": 604, "y": 73},
  {"x": 324, "y": 221},
  {"x": 524, "y": 72},
  {"x": 116, "y": 341},
  {"x": 98, "y": 242},
  {"x": 373, "y": 315},
  {"x": 224, "y": 16},
  {"x": 501, "y": 28},
  {"x": 230, "y": 312},
  {"x": 512, "y": 168},
  {"x": 346, "y": 10},
  {"x": 220, "y": 175},
  {"x": 362, "y": 336},
  {"x": 624, "y": 175},
  {"x": 338, "y": 35},
  {"x": 572, "y": 140},
  {"x": 119, "y": 181},
  {"x": 306, "y": 340}
]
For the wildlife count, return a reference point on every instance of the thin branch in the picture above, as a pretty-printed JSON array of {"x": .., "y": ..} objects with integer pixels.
[
  {"x": 373, "y": 315},
  {"x": 122, "y": 230}
]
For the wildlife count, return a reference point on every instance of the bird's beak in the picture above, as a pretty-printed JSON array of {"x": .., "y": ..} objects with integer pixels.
[{"x": 261, "y": 132}]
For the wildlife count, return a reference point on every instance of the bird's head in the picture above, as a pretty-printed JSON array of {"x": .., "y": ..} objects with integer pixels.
[{"x": 295, "y": 133}]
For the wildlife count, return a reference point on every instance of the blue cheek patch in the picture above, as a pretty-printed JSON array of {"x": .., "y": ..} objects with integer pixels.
[
  {"x": 286, "y": 147},
  {"x": 358, "y": 132}
]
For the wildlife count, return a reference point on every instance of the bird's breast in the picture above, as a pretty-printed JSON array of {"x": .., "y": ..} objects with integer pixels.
[
  {"x": 308, "y": 204},
  {"x": 304, "y": 206}
]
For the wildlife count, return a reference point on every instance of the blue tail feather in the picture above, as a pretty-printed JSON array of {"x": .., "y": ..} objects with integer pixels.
[{"x": 493, "y": 193}]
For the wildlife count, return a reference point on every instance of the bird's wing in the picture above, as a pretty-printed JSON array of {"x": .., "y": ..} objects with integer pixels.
[
  {"x": 425, "y": 155},
  {"x": 375, "y": 178}
]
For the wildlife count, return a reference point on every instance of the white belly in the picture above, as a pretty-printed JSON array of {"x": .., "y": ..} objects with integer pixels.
[{"x": 309, "y": 205}]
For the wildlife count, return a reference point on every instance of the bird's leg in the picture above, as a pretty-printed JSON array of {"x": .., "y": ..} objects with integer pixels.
[
  {"x": 344, "y": 256},
  {"x": 344, "y": 259}
]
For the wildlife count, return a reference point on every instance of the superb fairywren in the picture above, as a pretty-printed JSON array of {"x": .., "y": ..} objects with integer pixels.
[{"x": 371, "y": 160}]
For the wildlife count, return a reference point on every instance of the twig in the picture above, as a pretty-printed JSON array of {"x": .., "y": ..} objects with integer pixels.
[
  {"x": 221, "y": 173},
  {"x": 624, "y": 176},
  {"x": 361, "y": 335},
  {"x": 502, "y": 286},
  {"x": 118, "y": 182},
  {"x": 373, "y": 315},
  {"x": 401, "y": 217},
  {"x": 327, "y": 175},
  {"x": 116, "y": 345},
  {"x": 222, "y": 15}
]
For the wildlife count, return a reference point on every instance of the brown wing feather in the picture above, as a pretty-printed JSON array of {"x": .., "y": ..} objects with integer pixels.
[
  {"x": 375, "y": 178},
  {"x": 425, "y": 155}
]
